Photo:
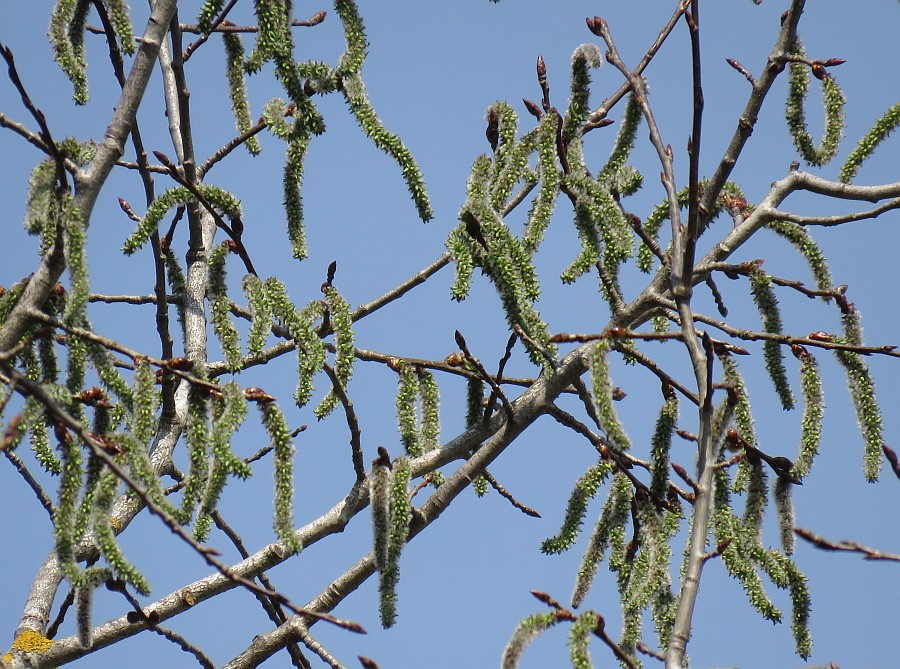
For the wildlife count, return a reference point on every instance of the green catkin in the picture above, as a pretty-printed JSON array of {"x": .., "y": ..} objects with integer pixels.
[
  {"x": 526, "y": 632},
  {"x": 585, "y": 489},
  {"x": 237, "y": 88},
  {"x": 608, "y": 532},
  {"x": 883, "y": 127},
  {"x": 767, "y": 303},
  {"x": 801, "y": 240},
  {"x": 121, "y": 22},
  {"x": 67, "y": 37},
  {"x": 833, "y": 100},
  {"x": 579, "y": 636},
  {"x": 813, "y": 412},
  {"x": 280, "y": 436},
  {"x": 661, "y": 444},
  {"x": 400, "y": 515},
  {"x": 342, "y": 324},
  {"x": 261, "y": 323},
  {"x": 603, "y": 388},
  {"x": 407, "y": 424}
]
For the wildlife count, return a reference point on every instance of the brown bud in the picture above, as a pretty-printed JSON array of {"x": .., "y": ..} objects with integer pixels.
[
  {"x": 493, "y": 129},
  {"x": 541, "y": 68},
  {"x": 616, "y": 333},
  {"x": 383, "y": 459},
  {"x": 308, "y": 89},
  {"x": 799, "y": 351},
  {"x": 181, "y": 364},
  {"x": 395, "y": 363},
  {"x": 818, "y": 71},
  {"x": 452, "y": 360},
  {"x": 831, "y": 62},
  {"x": 107, "y": 444},
  {"x": 819, "y": 336},
  {"x": 618, "y": 394},
  {"x": 9, "y": 433},
  {"x": 595, "y": 25},
  {"x": 62, "y": 433},
  {"x": 781, "y": 465},
  {"x": 258, "y": 395},
  {"x": 533, "y": 109}
]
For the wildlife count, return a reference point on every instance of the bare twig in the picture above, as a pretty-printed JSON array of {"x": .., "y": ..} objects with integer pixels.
[
  {"x": 484, "y": 376},
  {"x": 32, "y": 482},
  {"x": 527, "y": 510},
  {"x": 356, "y": 453},
  {"x": 848, "y": 546},
  {"x": 399, "y": 291},
  {"x": 595, "y": 118}
]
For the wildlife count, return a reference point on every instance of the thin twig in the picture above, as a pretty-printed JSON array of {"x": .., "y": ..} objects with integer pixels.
[
  {"x": 492, "y": 398},
  {"x": 848, "y": 546},
  {"x": 527, "y": 510},
  {"x": 229, "y": 147},
  {"x": 272, "y": 608},
  {"x": 38, "y": 115},
  {"x": 595, "y": 117},
  {"x": 356, "y": 453},
  {"x": 399, "y": 291},
  {"x": 484, "y": 376},
  {"x": 193, "y": 46},
  {"x": 32, "y": 482}
]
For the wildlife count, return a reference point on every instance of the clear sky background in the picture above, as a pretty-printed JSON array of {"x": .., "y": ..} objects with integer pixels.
[{"x": 433, "y": 69}]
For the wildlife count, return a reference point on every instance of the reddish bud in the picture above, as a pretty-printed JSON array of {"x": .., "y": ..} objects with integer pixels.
[
  {"x": 533, "y": 109},
  {"x": 602, "y": 123},
  {"x": 108, "y": 445},
  {"x": 819, "y": 336},
  {"x": 383, "y": 459},
  {"x": 9, "y": 433},
  {"x": 595, "y": 25},
  {"x": 181, "y": 364},
  {"x": 254, "y": 394},
  {"x": 818, "y": 71},
  {"x": 452, "y": 360},
  {"x": 799, "y": 351},
  {"x": 493, "y": 129}
]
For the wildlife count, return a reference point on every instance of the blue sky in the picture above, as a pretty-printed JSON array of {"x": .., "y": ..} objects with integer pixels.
[{"x": 433, "y": 69}]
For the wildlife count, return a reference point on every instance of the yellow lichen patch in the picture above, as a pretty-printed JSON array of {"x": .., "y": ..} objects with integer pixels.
[{"x": 29, "y": 641}]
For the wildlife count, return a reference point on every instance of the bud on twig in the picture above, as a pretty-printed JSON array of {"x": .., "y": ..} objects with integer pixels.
[{"x": 595, "y": 25}]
